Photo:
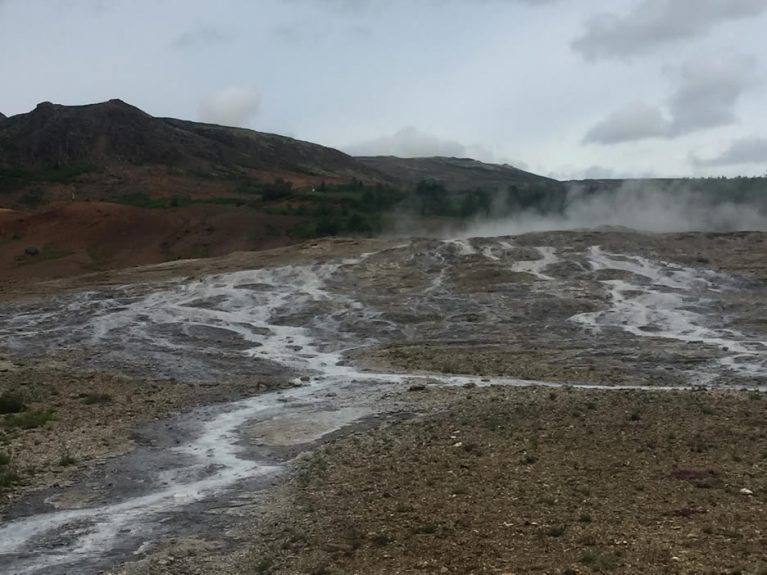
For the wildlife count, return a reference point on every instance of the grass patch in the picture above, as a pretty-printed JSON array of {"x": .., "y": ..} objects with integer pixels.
[
  {"x": 425, "y": 529},
  {"x": 8, "y": 475},
  {"x": 144, "y": 200},
  {"x": 599, "y": 562},
  {"x": 95, "y": 398},
  {"x": 28, "y": 419}
]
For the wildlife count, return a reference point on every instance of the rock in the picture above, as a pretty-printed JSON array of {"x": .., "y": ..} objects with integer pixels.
[
  {"x": 746, "y": 491},
  {"x": 417, "y": 387}
]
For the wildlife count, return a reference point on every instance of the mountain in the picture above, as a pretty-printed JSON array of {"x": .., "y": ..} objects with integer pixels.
[
  {"x": 454, "y": 173},
  {"x": 114, "y": 133},
  {"x": 103, "y": 186}
]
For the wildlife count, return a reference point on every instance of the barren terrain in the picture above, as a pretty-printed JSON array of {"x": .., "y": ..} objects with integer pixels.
[{"x": 559, "y": 403}]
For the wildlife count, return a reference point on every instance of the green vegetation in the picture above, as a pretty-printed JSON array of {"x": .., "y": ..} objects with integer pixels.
[
  {"x": 14, "y": 180},
  {"x": 600, "y": 562},
  {"x": 11, "y": 402},
  {"x": 31, "y": 419},
  {"x": 144, "y": 200},
  {"x": 46, "y": 253},
  {"x": 13, "y": 238},
  {"x": 67, "y": 459},
  {"x": 95, "y": 398}
]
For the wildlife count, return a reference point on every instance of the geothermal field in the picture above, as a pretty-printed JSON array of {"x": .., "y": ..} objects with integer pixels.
[{"x": 561, "y": 402}]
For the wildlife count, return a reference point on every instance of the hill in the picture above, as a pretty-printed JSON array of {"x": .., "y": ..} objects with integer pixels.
[
  {"x": 106, "y": 185},
  {"x": 114, "y": 133},
  {"x": 454, "y": 173}
]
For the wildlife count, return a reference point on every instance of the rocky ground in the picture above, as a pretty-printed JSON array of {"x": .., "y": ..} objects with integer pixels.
[
  {"x": 531, "y": 480},
  {"x": 384, "y": 469}
]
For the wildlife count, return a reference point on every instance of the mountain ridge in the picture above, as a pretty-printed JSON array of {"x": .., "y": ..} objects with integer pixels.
[{"x": 115, "y": 133}]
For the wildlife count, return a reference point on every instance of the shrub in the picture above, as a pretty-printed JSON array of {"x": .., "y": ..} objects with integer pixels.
[
  {"x": 599, "y": 563},
  {"x": 95, "y": 398},
  {"x": 425, "y": 529},
  {"x": 557, "y": 531},
  {"x": 67, "y": 459},
  {"x": 11, "y": 402}
]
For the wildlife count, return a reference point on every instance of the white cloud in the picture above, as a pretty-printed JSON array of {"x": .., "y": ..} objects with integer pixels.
[
  {"x": 231, "y": 107},
  {"x": 653, "y": 23},
  {"x": 739, "y": 152},
  {"x": 412, "y": 143}
]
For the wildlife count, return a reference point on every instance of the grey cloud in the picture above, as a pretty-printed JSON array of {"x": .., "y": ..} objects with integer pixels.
[
  {"x": 709, "y": 88},
  {"x": 653, "y": 23},
  {"x": 231, "y": 107},
  {"x": 707, "y": 91},
  {"x": 202, "y": 36},
  {"x": 412, "y": 143},
  {"x": 633, "y": 122},
  {"x": 743, "y": 151},
  {"x": 363, "y": 5}
]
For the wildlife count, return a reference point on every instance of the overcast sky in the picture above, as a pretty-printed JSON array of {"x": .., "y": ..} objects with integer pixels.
[{"x": 587, "y": 88}]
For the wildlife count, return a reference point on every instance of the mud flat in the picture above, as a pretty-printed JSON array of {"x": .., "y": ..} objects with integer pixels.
[{"x": 565, "y": 402}]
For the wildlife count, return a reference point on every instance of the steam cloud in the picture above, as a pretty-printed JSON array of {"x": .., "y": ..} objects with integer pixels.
[
  {"x": 639, "y": 206},
  {"x": 231, "y": 107},
  {"x": 411, "y": 142}
]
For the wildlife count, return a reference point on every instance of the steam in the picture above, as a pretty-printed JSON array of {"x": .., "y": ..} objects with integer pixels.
[
  {"x": 410, "y": 142},
  {"x": 231, "y": 107},
  {"x": 639, "y": 206}
]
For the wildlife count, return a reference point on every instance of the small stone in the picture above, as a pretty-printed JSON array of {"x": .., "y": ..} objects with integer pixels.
[
  {"x": 417, "y": 387},
  {"x": 745, "y": 491}
]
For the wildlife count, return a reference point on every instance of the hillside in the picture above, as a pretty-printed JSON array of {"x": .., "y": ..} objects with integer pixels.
[
  {"x": 114, "y": 133},
  {"x": 104, "y": 186},
  {"x": 455, "y": 173}
]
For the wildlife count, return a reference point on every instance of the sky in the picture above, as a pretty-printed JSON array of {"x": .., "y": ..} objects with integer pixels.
[{"x": 564, "y": 88}]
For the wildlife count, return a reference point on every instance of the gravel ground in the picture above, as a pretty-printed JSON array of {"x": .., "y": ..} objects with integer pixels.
[{"x": 507, "y": 480}]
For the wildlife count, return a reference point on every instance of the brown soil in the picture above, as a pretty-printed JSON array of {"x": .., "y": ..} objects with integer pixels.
[
  {"x": 81, "y": 237},
  {"x": 534, "y": 481}
]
